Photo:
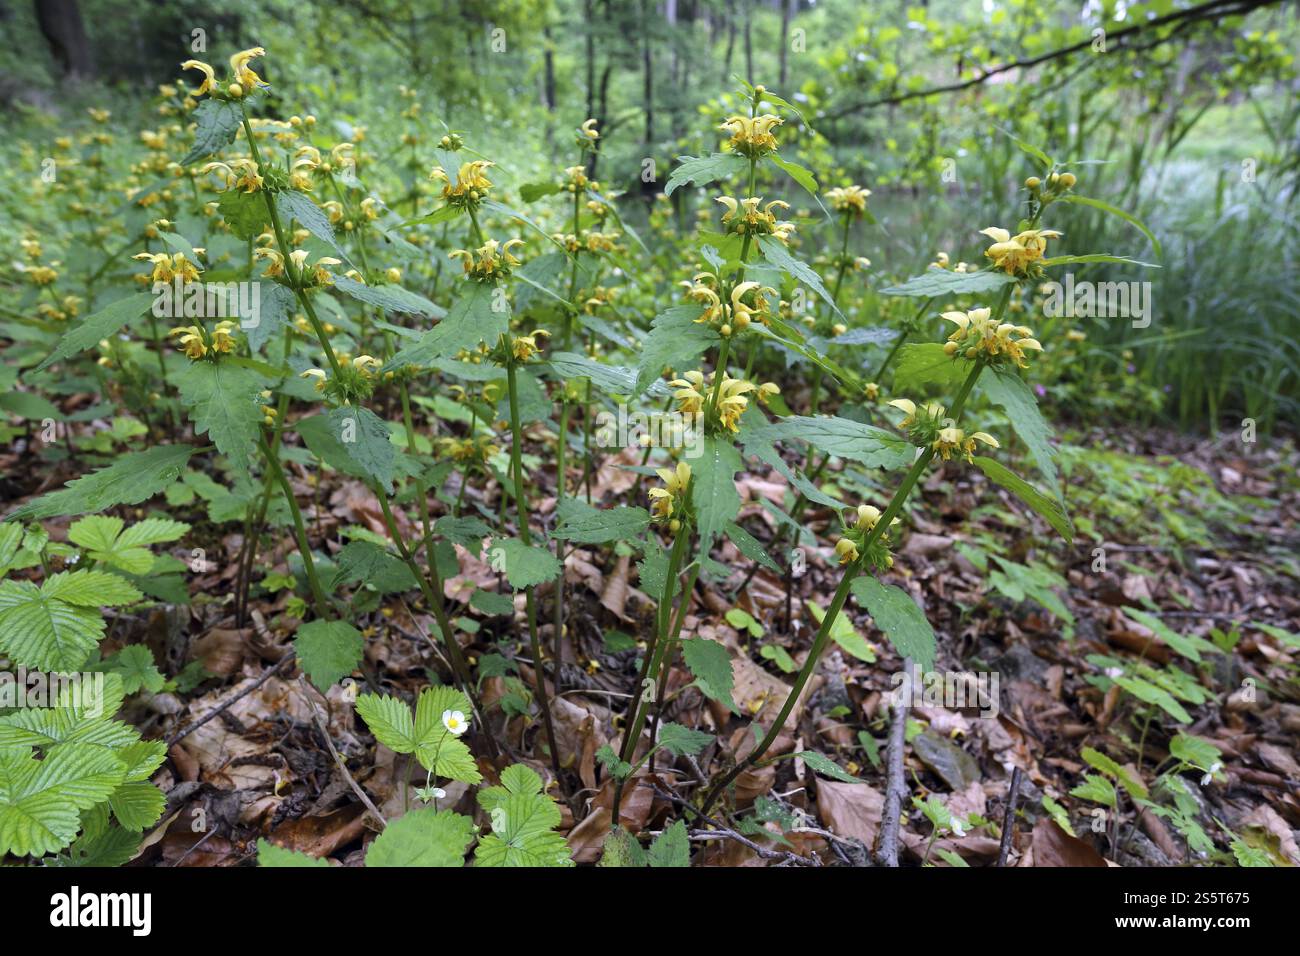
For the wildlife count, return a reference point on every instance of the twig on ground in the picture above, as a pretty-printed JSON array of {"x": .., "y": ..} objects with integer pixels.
[
  {"x": 895, "y": 787},
  {"x": 1009, "y": 818},
  {"x": 266, "y": 676},
  {"x": 338, "y": 757}
]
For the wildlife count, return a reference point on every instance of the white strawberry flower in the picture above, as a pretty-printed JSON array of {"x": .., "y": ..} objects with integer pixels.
[{"x": 454, "y": 720}]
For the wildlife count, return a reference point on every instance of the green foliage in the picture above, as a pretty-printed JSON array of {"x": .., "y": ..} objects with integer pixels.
[
  {"x": 438, "y": 749},
  {"x": 523, "y": 823}
]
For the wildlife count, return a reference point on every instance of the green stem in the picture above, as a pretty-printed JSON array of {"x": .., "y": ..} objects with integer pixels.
[{"x": 300, "y": 531}]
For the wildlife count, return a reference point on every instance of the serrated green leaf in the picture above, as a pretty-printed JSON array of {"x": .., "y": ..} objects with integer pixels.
[
  {"x": 471, "y": 319},
  {"x": 328, "y": 651},
  {"x": 223, "y": 398},
  {"x": 584, "y": 524},
  {"x": 268, "y": 854},
  {"x": 671, "y": 848},
  {"x": 702, "y": 170},
  {"x": 682, "y": 741},
  {"x": 353, "y": 440},
  {"x": 775, "y": 252},
  {"x": 898, "y": 616},
  {"x": 824, "y": 765},
  {"x": 390, "y": 298},
  {"x": 710, "y": 665},
  {"x": 844, "y": 438},
  {"x": 424, "y": 837},
  {"x": 524, "y": 565},
  {"x": 925, "y": 363},
  {"x": 1009, "y": 391},
  {"x": 675, "y": 341},
  {"x": 1048, "y": 508},
  {"x": 244, "y": 212},
  {"x": 104, "y": 323},
  {"x": 40, "y": 800},
  {"x": 713, "y": 488},
  {"x": 217, "y": 123},
  {"x": 939, "y": 283}
]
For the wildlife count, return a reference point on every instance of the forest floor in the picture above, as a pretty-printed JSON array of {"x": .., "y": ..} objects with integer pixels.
[{"x": 248, "y": 758}]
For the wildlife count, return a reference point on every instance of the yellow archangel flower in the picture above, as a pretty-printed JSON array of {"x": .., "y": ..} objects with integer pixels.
[
  {"x": 471, "y": 183},
  {"x": 367, "y": 365},
  {"x": 588, "y": 131},
  {"x": 275, "y": 261},
  {"x": 954, "y": 439},
  {"x": 42, "y": 275},
  {"x": 977, "y": 336},
  {"x": 525, "y": 347},
  {"x": 316, "y": 272},
  {"x": 244, "y": 76},
  {"x": 847, "y": 550},
  {"x": 209, "y": 76},
  {"x": 688, "y": 393},
  {"x": 489, "y": 261},
  {"x": 663, "y": 501},
  {"x": 732, "y": 402},
  {"x": 1012, "y": 254},
  {"x": 167, "y": 267},
  {"x": 191, "y": 341},
  {"x": 317, "y": 375},
  {"x": 752, "y": 136},
  {"x": 850, "y": 199},
  {"x": 241, "y": 173},
  {"x": 577, "y": 176},
  {"x": 742, "y": 312},
  {"x": 744, "y": 218},
  {"x": 223, "y": 336},
  {"x": 929, "y": 412}
]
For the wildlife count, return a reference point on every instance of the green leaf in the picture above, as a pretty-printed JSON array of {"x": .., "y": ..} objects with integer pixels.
[
  {"x": 1097, "y": 789},
  {"x": 1009, "y": 391},
  {"x": 40, "y": 800},
  {"x": 367, "y": 563},
  {"x": 940, "y": 283},
  {"x": 470, "y": 320},
  {"x": 622, "y": 850},
  {"x": 102, "y": 537},
  {"x": 1099, "y": 761},
  {"x": 779, "y": 656},
  {"x": 710, "y": 665},
  {"x": 137, "y": 805},
  {"x": 1151, "y": 694},
  {"x": 135, "y": 665},
  {"x": 354, "y": 440},
  {"x": 104, "y": 323},
  {"x": 296, "y": 205},
  {"x": 713, "y": 488},
  {"x": 1097, "y": 257},
  {"x": 217, "y": 123},
  {"x": 491, "y": 603},
  {"x": 584, "y": 524},
  {"x": 798, "y": 173},
  {"x": 223, "y": 398},
  {"x": 268, "y": 854},
  {"x": 390, "y": 298},
  {"x": 675, "y": 341},
  {"x": 826, "y": 766},
  {"x": 672, "y": 847},
  {"x": 524, "y": 565},
  {"x": 845, "y": 634},
  {"x": 1106, "y": 207},
  {"x": 925, "y": 363},
  {"x": 700, "y": 171},
  {"x": 775, "y": 252},
  {"x": 617, "y": 379},
  {"x": 436, "y": 747},
  {"x": 899, "y": 618},
  {"x": 328, "y": 651},
  {"x": 751, "y": 547},
  {"x": 1195, "y": 751},
  {"x": 274, "y": 303},
  {"x": 29, "y": 406},
  {"x": 131, "y": 479},
  {"x": 842, "y": 437},
  {"x": 1049, "y": 509},
  {"x": 682, "y": 741},
  {"x": 1189, "y": 646},
  {"x": 56, "y": 626},
  {"x": 244, "y": 212},
  {"x": 424, "y": 837},
  {"x": 468, "y": 532}
]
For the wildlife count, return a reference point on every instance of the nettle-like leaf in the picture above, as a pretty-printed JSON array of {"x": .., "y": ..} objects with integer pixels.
[
  {"x": 216, "y": 122},
  {"x": 390, "y": 298},
  {"x": 437, "y": 748},
  {"x": 56, "y": 626},
  {"x": 936, "y": 283},
  {"x": 134, "y": 477},
  {"x": 713, "y": 489},
  {"x": 843, "y": 438},
  {"x": 104, "y": 540},
  {"x": 775, "y": 252},
  {"x": 671, "y": 848},
  {"x": 825, "y": 765},
  {"x": 480, "y": 314},
  {"x": 423, "y": 837},
  {"x": 523, "y": 823},
  {"x": 524, "y": 565},
  {"x": 223, "y": 397},
  {"x": 328, "y": 651},
  {"x": 702, "y": 170},
  {"x": 355, "y": 441},
  {"x": 710, "y": 665},
  {"x": 1009, "y": 391},
  {"x": 675, "y": 341},
  {"x": 104, "y": 323},
  {"x": 40, "y": 800},
  {"x": 923, "y": 364},
  {"x": 1048, "y": 508},
  {"x": 682, "y": 741},
  {"x": 898, "y": 616},
  {"x": 582, "y": 523}
]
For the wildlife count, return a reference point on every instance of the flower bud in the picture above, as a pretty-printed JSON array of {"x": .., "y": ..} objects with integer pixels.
[{"x": 1033, "y": 182}]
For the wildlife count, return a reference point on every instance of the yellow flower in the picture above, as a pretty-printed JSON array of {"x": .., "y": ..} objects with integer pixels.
[
  {"x": 766, "y": 391},
  {"x": 191, "y": 341},
  {"x": 851, "y": 199},
  {"x": 752, "y": 136},
  {"x": 525, "y": 347},
  {"x": 847, "y": 550},
  {"x": 490, "y": 261},
  {"x": 471, "y": 183},
  {"x": 1012, "y": 254},
  {"x": 676, "y": 481},
  {"x": 318, "y": 375},
  {"x": 732, "y": 402},
  {"x": 954, "y": 439},
  {"x": 687, "y": 394},
  {"x": 244, "y": 76},
  {"x": 275, "y": 263},
  {"x": 977, "y": 336},
  {"x": 588, "y": 129},
  {"x": 42, "y": 275},
  {"x": 868, "y": 516},
  {"x": 223, "y": 338}
]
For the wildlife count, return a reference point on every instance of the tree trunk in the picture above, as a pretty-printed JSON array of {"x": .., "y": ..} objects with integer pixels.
[
  {"x": 61, "y": 25},
  {"x": 749, "y": 43},
  {"x": 785, "y": 42}
]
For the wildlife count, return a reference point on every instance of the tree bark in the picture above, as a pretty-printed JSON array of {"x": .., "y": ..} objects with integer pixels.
[{"x": 61, "y": 25}]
